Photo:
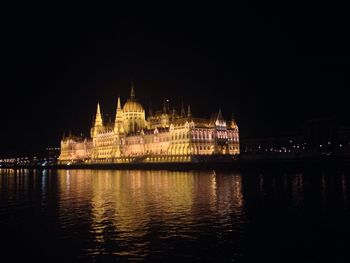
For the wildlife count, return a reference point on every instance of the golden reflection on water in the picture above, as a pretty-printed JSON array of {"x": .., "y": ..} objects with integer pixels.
[
  {"x": 129, "y": 203},
  {"x": 139, "y": 213}
]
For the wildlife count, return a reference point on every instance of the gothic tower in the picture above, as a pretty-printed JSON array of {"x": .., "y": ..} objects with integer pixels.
[{"x": 98, "y": 124}]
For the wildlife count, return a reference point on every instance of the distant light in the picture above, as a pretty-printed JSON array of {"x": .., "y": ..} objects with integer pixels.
[
  {"x": 321, "y": 145},
  {"x": 329, "y": 142}
]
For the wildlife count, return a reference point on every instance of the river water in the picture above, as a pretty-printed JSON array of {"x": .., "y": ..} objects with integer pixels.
[{"x": 106, "y": 216}]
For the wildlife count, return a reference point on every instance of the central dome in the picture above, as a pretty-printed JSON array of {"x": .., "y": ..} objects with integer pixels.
[{"x": 132, "y": 105}]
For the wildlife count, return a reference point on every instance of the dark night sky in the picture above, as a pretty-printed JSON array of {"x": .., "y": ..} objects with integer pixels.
[{"x": 273, "y": 64}]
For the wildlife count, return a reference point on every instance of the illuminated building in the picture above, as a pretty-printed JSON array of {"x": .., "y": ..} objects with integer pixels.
[
  {"x": 165, "y": 136},
  {"x": 75, "y": 148}
]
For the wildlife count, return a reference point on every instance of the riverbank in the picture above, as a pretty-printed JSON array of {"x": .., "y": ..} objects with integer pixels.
[{"x": 241, "y": 163}]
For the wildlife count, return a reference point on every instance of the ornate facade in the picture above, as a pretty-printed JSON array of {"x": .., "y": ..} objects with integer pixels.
[{"x": 165, "y": 136}]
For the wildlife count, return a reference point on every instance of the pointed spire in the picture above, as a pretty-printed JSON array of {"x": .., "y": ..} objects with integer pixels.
[
  {"x": 183, "y": 113},
  {"x": 189, "y": 114},
  {"x": 118, "y": 115},
  {"x": 132, "y": 92},
  {"x": 219, "y": 115},
  {"x": 98, "y": 109},
  {"x": 233, "y": 121},
  {"x": 118, "y": 104},
  {"x": 98, "y": 118},
  {"x": 220, "y": 120}
]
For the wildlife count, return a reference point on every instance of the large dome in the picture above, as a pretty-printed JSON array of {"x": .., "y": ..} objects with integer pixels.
[{"x": 132, "y": 106}]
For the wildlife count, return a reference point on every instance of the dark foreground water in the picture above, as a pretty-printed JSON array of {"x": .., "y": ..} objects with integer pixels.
[{"x": 104, "y": 216}]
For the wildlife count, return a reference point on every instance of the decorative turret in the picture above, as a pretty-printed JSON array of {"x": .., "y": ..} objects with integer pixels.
[
  {"x": 132, "y": 91},
  {"x": 118, "y": 124},
  {"x": 183, "y": 113},
  {"x": 98, "y": 118},
  {"x": 233, "y": 124},
  {"x": 98, "y": 124},
  {"x": 189, "y": 114},
  {"x": 220, "y": 120},
  {"x": 119, "y": 107}
]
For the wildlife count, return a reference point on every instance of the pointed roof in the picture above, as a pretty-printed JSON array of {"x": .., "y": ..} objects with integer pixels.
[
  {"x": 119, "y": 107},
  {"x": 220, "y": 120},
  {"x": 183, "y": 113},
  {"x": 233, "y": 121},
  {"x": 98, "y": 109},
  {"x": 132, "y": 91},
  {"x": 219, "y": 117},
  {"x": 189, "y": 114},
  {"x": 98, "y": 118}
]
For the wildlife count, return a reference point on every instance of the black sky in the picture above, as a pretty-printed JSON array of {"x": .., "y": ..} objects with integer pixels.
[{"x": 274, "y": 65}]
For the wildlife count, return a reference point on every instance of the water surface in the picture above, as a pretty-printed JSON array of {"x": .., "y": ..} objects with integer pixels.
[{"x": 104, "y": 216}]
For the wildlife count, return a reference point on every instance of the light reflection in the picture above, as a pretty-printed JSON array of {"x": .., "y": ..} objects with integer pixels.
[
  {"x": 129, "y": 203},
  {"x": 134, "y": 214},
  {"x": 68, "y": 179}
]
